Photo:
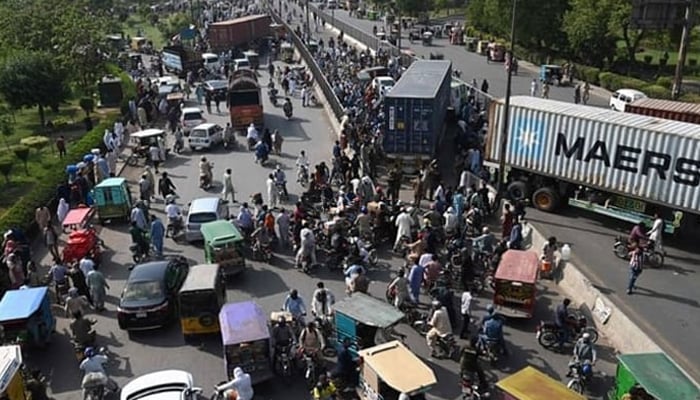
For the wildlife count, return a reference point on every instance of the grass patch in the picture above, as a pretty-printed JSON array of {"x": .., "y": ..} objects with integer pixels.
[{"x": 136, "y": 23}]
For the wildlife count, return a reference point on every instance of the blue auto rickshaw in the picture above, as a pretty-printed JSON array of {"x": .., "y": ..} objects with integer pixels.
[
  {"x": 366, "y": 321},
  {"x": 113, "y": 199},
  {"x": 26, "y": 318},
  {"x": 551, "y": 74}
]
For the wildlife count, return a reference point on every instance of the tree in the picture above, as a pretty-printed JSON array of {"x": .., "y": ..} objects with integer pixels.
[
  {"x": 31, "y": 79},
  {"x": 7, "y": 127},
  {"x": 88, "y": 105},
  {"x": 22, "y": 152},
  {"x": 621, "y": 21},
  {"x": 175, "y": 23},
  {"x": 587, "y": 28}
]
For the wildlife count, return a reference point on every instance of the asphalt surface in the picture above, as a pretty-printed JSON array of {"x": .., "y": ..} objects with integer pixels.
[
  {"x": 666, "y": 304},
  {"x": 144, "y": 352}
]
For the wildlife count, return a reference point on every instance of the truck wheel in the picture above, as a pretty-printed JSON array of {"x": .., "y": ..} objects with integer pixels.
[
  {"x": 545, "y": 199},
  {"x": 517, "y": 190}
]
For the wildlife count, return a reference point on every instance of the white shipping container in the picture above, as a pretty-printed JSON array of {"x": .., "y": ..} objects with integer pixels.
[{"x": 648, "y": 158}]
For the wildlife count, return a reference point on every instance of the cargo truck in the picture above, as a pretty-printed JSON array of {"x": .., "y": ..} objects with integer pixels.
[
  {"x": 616, "y": 164},
  {"x": 415, "y": 111},
  {"x": 237, "y": 32},
  {"x": 180, "y": 59},
  {"x": 667, "y": 109},
  {"x": 244, "y": 101}
]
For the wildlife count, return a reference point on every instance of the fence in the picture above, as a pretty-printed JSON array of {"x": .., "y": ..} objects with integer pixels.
[{"x": 319, "y": 77}]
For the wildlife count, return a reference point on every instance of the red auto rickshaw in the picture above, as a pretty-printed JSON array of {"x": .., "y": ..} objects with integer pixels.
[{"x": 515, "y": 284}]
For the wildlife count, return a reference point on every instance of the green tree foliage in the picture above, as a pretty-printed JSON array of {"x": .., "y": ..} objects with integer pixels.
[
  {"x": 7, "y": 127},
  {"x": 31, "y": 79},
  {"x": 6, "y": 165},
  {"x": 621, "y": 21},
  {"x": 88, "y": 105},
  {"x": 587, "y": 26},
  {"x": 22, "y": 152},
  {"x": 175, "y": 23}
]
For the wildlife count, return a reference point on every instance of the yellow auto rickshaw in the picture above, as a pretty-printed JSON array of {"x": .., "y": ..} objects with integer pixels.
[
  {"x": 531, "y": 384},
  {"x": 287, "y": 52},
  {"x": 381, "y": 379},
  {"x": 200, "y": 299},
  {"x": 12, "y": 385}
]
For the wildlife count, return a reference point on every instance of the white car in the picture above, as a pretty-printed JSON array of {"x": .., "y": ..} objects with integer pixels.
[
  {"x": 206, "y": 136},
  {"x": 192, "y": 117},
  {"x": 624, "y": 96},
  {"x": 169, "y": 384},
  {"x": 383, "y": 84}
]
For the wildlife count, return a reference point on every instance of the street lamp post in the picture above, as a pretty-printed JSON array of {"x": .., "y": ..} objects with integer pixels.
[{"x": 506, "y": 110}]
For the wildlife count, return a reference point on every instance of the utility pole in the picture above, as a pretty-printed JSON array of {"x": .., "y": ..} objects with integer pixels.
[
  {"x": 308, "y": 27},
  {"x": 506, "y": 110},
  {"x": 683, "y": 50}
]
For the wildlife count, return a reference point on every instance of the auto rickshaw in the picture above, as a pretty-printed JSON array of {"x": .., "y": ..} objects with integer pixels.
[
  {"x": 471, "y": 43},
  {"x": 25, "y": 316},
  {"x": 365, "y": 320},
  {"x": 113, "y": 199},
  {"x": 496, "y": 52},
  {"x": 12, "y": 385},
  {"x": 427, "y": 38},
  {"x": 287, "y": 52},
  {"x": 143, "y": 140},
  {"x": 200, "y": 299},
  {"x": 482, "y": 47},
  {"x": 390, "y": 369},
  {"x": 551, "y": 74},
  {"x": 246, "y": 340},
  {"x": 531, "y": 384},
  {"x": 651, "y": 376},
  {"x": 223, "y": 245},
  {"x": 515, "y": 284},
  {"x": 253, "y": 58}
]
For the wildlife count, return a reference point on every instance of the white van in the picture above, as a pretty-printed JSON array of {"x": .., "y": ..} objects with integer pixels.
[
  {"x": 240, "y": 63},
  {"x": 201, "y": 211},
  {"x": 211, "y": 62},
  {"x": 191, "y": 117},
  {"x": 624, "y": 96},
  {"x": 206, "y": 136}
]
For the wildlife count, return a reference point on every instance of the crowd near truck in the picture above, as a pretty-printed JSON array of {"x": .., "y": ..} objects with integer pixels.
[
  {"x": 245, "y": 103},
  {"x": 624, "y": 166},
  {"x": 415, "y": 110},
  {"x": 237, "y": 32},
  {"x": 180, "y": 59},
  {"x": 667, "y": 109}
]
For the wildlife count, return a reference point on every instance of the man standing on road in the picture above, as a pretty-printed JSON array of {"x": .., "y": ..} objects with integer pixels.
[
  {"x": 98, "y": 289},
  {"x": 533, "y": 87},
  {"x": 228, "y": 186},
  {"x": 415, "y": 279},
  {"x": 656, "y": 232},
  {"x": 157, "y": 235},
  {"x": 636, "y": 263},
  {"x": 561, "y": 316},
  {"x": 271, "y": 191}
]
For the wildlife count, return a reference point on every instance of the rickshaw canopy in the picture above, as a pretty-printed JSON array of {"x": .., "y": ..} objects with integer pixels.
[
  {"x": 412, "y": 377},
  {"x": 220, "y": 232},
  {"x": 10, "y": 364},
  {"x": 518, "y": 266},
  {"x": 531, "y": 384},
  {"x": 369, "y": 311},
  {"x": 657, "y": 374},
  {"x": 111, "y": 182},
  {"x": 147, "y": 133},
  {"x": 201, "y": 277},
  {"x": 21, "y": 303},
  {"x": 242, "y": 323}
]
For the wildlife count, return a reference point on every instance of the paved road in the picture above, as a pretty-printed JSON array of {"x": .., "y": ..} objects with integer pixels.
[
  {"x": 267, "y": 284},
  {"x": 668, "y": 300}
]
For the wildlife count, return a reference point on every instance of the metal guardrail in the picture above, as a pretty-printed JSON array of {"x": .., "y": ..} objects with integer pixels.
[{"x": 319, "y": 77}]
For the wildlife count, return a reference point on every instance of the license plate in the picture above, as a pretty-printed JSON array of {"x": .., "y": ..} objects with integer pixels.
[{"x": 141, "y": 315}]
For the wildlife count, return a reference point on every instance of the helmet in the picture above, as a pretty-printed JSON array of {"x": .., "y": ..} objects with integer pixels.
[
  {"x": 363, "y": 210},
  {"x": 203, "y": 158},
  {"x": 490, "y": 308},
  {"x": 485, "y": 230},
  {"x": 586, "y": 336},
  {"x": 89, "y": 352},
  {"x": 586, "y": 369}
]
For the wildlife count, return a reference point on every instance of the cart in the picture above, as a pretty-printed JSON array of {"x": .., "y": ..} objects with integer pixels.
[
  {"x": 651, "y": 376},
  {"x": 78, "y": 218}
]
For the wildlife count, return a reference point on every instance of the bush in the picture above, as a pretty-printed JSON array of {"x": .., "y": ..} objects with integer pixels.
[
  {"x": 690, "y": 98},
  {"x": 656, "y": 92},
  {"x": 60, "y": 123},
  {"x": 588, "y": 74},
  {"x": 632, "y": 83},
  {"x": 665, "y": 81},
  {"x": 608, "y": 80},
  {"x": 22, "y": 152}
]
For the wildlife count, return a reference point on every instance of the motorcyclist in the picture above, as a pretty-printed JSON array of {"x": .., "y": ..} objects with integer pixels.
[
  {"x": 307, "y": 245},
  {"x": 294, "y": 305},
  {"x": 261, "y": 237},
  {"x": 346, "y": 365},
  {"x": 469, "y": 363},
  {"x": 311, "y": 341},
  {"x": 492, "y": 331},
  {"x": 364, "y": 223},
  {"x": 440, "y": 327},
  {"x": 252, "y": 136},
  {"x": 94, "y": 364},
  {"x": 638, "y": 233},
  {"x": 485, "y": 242},
  {"x": 324, "y": 389},
  {"x": 288, "y": 109},
  {"x": 36, "y": 387},
  {"x": 322, "y": 301},
  {"x": 173, "y": 211},
  {"x": 584, "y": 350},
  {"x": 262, "y": 151},
  {"x": 282, "y": 336},
  {"x": 302, "y": 164},
  {"x": 205, "y": 171},
  {"x": 241, "y": 385},
  {"x": 81, "y": 328},
  {"x": 281, "y": 179}
]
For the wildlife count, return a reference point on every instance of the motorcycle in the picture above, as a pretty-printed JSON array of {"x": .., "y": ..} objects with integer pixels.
[
  {"x": 310, "y": 370},
  {"x": 229, "y": 140},
  {"x": 472, "y": 391},
  {"x": 272, "y": 94},
  {"x": 204, "y": 181},
  {"x": 581, "y": 374},
  {"x": 174, "y": 228},
  {"x": 95, "y": 385},
  {"x": 251, "y": 144},
  {"x": 303, "y": 175},
  {"x": 282, "y": 191},
  {"x": 262, "y": 252},
  {"x": 179, "y": 145},
  {"x": 305, "y": 262},
  {"x": 137, "y": 253},
  {"x": 490, "y": 349},
  {"x": 283, "y": 364},
  {"x": 577, "y": 324},
  {"x": 447, "y": 346},
  {"x": 654, "y": 258}
]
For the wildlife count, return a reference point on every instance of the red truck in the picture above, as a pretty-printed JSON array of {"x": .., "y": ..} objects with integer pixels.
[
  {"x": 666, "y": 109},
  {"x": 237, "y": 32}
]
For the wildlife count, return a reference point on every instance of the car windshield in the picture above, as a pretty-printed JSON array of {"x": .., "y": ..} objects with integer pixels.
[
  {"x": 142, "y": 290},
  {"x": 200, "y": 218},
  {"x": 190, "y": 116},
  {"x": 198, "y": 133}
]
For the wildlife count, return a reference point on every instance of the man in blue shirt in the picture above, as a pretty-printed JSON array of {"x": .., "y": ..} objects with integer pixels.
[
  {"x": 346, "y": 367},
  {"x": 561, "y": 315},
  {"x": 294, "y": 305},
  {"x": 415, "y": 279}
]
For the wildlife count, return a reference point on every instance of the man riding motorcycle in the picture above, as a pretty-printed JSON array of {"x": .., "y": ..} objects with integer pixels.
[
  {"x": 440, "y": 327},
  {"x": 307, "y": 245},
  {"x": 492, "y": 332},
  {"x": 262, "y": 151},
  {"x": 173, "y": 212},
  {"x": 282, "y": 337},
  {"x": 294, "y": 305},
  {"x": 281, "y": 180},
  {"x": 252, "y": 136},
  {"x": 584, "y": 351},
  {"x": 311, "y": 341},
  {"x": 241, "y": 385},
  {"x": 205, "y": 172},
  {"x": 302, "y": 164},
  {"x": 95, "y": 374}
]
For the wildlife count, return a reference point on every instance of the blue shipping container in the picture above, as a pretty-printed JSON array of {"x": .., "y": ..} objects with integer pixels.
[{"x": 415, "y": 109}]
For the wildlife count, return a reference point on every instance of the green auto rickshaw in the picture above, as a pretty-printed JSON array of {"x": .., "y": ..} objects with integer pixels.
[
  {"x": 113, "y": 199},
  {"x": 200, "y": 299},
  {"x": 223, "y": 245},
  {"x": 652, "y": 376}
]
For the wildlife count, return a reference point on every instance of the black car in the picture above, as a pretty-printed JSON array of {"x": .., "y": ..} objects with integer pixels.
[
  {"x": 149, "y": 298},
  {"x": 217, "y": 87}
]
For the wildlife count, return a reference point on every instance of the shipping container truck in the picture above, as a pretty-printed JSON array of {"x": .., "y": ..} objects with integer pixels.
[
  {"x": 666, "y": 109},
  {"x": 616, "y": 164},
  {"x": 244, "y": 100},
  {"x": 180, "y": 59},
  {"x": 237, "y": 32},
  {"x": 415, "y": 110}
]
